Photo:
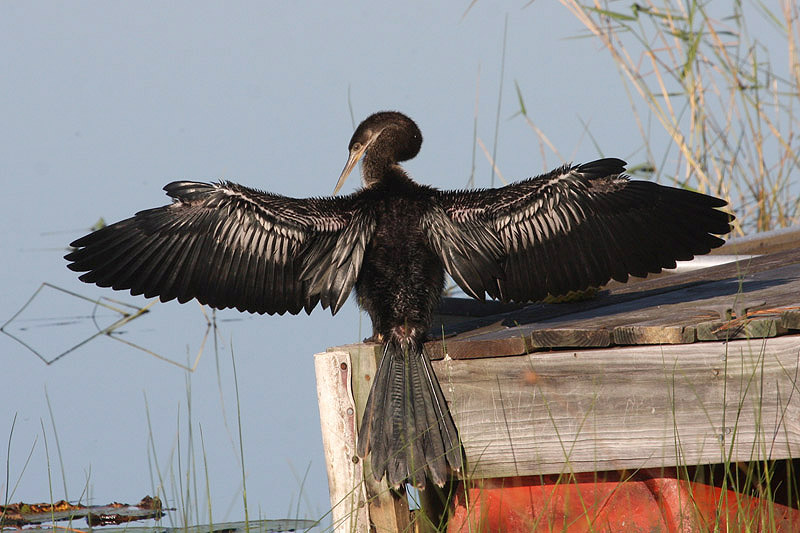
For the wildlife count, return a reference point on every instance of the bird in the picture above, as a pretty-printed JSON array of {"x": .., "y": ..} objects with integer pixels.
[{"x": 391, "y": 242}]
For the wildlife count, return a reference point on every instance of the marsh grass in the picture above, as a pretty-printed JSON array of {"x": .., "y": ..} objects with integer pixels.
[
  {"x": 185, "y": 479},
  {"x": 726, "y": 100},
  {"x": 181, "y": 480}
]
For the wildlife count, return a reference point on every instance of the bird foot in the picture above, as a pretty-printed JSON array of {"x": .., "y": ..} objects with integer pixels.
[{"x": 377, "y": 338}]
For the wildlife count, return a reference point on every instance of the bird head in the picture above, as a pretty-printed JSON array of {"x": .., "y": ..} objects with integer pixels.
[{"x": 389, "y": 133}]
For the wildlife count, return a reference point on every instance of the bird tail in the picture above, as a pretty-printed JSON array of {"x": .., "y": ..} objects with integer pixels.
[{"x": 406, "y": 423}]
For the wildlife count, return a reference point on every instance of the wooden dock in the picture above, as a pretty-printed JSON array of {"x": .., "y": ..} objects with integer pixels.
[{"x": 681, "y": 369}]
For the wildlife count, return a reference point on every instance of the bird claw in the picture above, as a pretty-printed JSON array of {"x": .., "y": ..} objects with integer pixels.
[{"x": 377, "y": 338}]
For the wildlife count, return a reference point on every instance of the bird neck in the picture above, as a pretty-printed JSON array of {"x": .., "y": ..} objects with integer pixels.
[
  {"x": 382, "y": 172},
  {"x": 380, "y": 163}
]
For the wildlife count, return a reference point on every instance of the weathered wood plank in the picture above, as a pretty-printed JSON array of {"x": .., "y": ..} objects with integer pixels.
[
  {"x": 386, "y": 510},
  {"x": 337, "y": 413},
  {"x": 680, "y": 311},
  {"x": 655, "y": 317},
  {"x": 791, "y": 319},
  {"x": 739, "y": 269},
  {"x": 653, "y": 333},
  {"x": 756, "y": 328},
  {"x": 570, "y": 336},
  {"x": 767, "y": 242},
  {"x": 470, "y": 330},
  {"x": 632, "y": 407},
  {"x": 495, "y": 344}
]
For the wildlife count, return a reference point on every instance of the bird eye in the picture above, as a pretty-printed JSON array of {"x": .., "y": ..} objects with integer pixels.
[{"x": 356, "y": 146}]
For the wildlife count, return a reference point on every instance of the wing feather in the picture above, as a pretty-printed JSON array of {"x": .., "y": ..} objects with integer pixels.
[
  {"x": 574, "y": 227},
  {"x": 470, "y": 251},
  {"x": 231, "y": 246}
]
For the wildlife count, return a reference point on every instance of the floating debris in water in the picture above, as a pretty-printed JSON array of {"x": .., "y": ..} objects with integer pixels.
[{"x": 21, "y": 514}]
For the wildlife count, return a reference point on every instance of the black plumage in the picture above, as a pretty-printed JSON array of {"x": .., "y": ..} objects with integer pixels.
[{"x": 393, "y": 240}]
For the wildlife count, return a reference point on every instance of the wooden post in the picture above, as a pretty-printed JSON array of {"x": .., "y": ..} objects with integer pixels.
[
  {"x": 344, "y": 377},
  {"x": 338, "y": 420},
  {"x": 388, "y": 511}
]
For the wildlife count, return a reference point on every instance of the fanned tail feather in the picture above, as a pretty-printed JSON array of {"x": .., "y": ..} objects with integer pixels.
[{"x": 406, "y": 425}]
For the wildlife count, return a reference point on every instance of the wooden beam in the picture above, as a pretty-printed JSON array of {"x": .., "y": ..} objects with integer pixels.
[
  {"x": 388, "y": 510},
  {"x": 626, "y": 408},
  {"x": 337, "y": 413},
  {"x": 359, "y": 503},
  {"x": 684, "y": 312},
  {"x": 619, "y": 294}
]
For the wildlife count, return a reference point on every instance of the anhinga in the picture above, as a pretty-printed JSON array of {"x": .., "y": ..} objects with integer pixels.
[{"x": 393, "y": 240}]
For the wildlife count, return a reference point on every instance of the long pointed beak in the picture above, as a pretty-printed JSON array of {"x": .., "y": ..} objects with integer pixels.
[{"x": 352, "y": 161}]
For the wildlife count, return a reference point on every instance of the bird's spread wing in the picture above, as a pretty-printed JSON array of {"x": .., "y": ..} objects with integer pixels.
[
  {"x": 575, "y": 227},
  {"x": 231, "y": 246},
  {"x": 469, "y": 249}
]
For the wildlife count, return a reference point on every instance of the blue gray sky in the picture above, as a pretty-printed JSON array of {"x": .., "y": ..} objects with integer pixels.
[{"x": 103, "y": 103}]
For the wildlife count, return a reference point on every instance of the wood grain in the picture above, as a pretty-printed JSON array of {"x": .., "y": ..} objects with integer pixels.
[
  {"x": 337, "y": 413},
  {"x": 684, "y": 312},
  {"x": 626, "y": 408},
  {"x": 386, "y": 510}
]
